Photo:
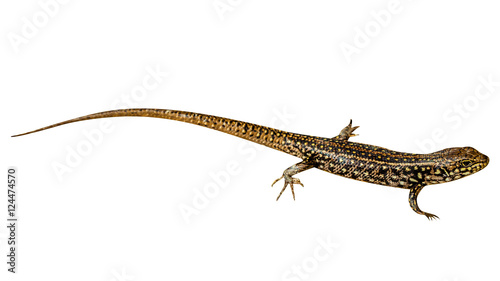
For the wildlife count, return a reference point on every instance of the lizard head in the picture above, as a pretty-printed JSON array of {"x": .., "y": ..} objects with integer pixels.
[{"x": 458, "y": 162}]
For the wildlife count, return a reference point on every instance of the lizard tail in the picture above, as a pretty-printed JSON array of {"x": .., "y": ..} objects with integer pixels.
[{"x": 287, "y": 142}]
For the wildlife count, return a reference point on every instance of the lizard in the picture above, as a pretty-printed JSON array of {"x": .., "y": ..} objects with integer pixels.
[{"x": 337, "y": 155}]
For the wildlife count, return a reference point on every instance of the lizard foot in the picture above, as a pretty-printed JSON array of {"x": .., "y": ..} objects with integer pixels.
[
  {"x": 347, "y": 132},
  {"x": 431, "y": 216},
  {"x": 288, "y": 181}
]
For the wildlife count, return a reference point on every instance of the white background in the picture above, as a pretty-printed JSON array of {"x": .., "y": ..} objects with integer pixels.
[{"x": 116, "y": 214}]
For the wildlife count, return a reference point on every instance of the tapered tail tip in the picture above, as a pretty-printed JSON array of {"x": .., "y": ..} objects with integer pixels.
[{"x": 18, "y": 135}]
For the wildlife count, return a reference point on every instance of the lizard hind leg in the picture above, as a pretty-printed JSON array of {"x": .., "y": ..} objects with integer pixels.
[
  {"x": 289, "y": 180},
  {"x": 414, "y": 191}
]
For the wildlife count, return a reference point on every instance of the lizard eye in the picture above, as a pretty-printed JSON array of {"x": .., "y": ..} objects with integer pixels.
[{"x": 466, "y": 163}]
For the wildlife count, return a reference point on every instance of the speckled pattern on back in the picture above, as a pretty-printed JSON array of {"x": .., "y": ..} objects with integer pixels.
[{"x": 336, "y": 155}]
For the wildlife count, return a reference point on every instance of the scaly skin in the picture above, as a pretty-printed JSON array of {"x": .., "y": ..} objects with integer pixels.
[{"x": 336, "y": 155}]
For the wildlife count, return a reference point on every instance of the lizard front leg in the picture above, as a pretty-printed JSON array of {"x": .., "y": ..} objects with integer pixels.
[
  {"x": 414, "y": 191},
  {"x": 347, "y": 132},
  {"x": 288, "y": 173}
]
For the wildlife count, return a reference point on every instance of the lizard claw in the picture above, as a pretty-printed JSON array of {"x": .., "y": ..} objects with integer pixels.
[
  {"x": 347, "y": 132},
  {"x": 288, "y": 181},
  {"x": 431, "y": 216}
]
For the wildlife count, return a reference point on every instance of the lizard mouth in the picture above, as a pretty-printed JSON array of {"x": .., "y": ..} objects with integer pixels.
[
  {"x": 482, "y": 162},
  {"x": 485, "y": 160}
]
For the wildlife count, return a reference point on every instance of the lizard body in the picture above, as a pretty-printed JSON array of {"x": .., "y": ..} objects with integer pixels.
[{"x": 337, "y": 155}]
